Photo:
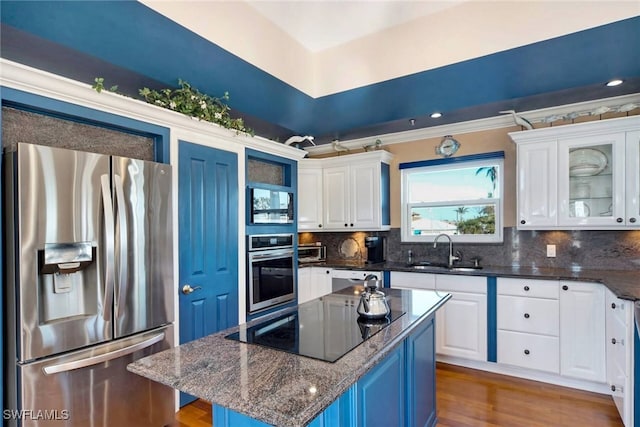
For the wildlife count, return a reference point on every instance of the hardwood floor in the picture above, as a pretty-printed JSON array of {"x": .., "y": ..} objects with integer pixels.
[
  {"x": 468, "y": 397},
  {"x": 196, "y": 414}
]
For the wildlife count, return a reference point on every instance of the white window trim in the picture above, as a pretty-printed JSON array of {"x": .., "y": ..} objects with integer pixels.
[{"x": 405, "y": 222}]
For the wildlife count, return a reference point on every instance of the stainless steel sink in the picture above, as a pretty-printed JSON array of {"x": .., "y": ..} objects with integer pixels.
[
  {"x": 442, "y": 267},
  {"x": 465, "y": 268}
]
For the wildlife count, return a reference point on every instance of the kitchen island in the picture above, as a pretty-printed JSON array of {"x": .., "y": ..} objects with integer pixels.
[{"x": 388, "y": 379}]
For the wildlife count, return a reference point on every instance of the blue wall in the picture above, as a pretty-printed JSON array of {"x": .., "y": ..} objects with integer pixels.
[{"x": 69, "y": 37}]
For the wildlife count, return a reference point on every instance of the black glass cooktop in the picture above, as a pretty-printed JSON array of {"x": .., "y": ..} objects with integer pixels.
[{"x": 325, "y": 329}]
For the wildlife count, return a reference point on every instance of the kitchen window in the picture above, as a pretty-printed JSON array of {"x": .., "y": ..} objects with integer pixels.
[{"x": 460, "y": 196}]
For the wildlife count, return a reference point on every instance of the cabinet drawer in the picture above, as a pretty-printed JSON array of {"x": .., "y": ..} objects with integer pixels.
[
  {"x": 354, "y": 274},
  {"x": 457, "y": 283},
  {"x": 401, "y": 279},
  {"x": 532, "y": 315},
  {"x": 529, "y": 351},
  {"x": 529, "y": 288}
]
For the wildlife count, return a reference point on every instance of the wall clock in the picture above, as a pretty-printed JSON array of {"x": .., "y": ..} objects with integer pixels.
[{"x": 448, "y": 146}]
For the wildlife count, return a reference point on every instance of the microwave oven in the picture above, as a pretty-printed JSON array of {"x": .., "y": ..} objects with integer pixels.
[
  {"x": 270, "y": 206},
  {"x": 312, "y": 252}
]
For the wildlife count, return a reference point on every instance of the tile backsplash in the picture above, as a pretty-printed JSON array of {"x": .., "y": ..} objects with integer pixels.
[{"x": 612, "y": 250}]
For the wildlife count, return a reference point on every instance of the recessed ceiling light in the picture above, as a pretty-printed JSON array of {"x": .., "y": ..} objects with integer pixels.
[
  {"x": 436, "y": 115},
  {"x": 615, "y": 82}
]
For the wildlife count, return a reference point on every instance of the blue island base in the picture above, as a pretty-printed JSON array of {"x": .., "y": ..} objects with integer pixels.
[{"x": 399, "y": 391}]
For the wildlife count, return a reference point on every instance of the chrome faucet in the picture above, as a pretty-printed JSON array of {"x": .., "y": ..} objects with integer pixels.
[{"x": 452, "y": 257}]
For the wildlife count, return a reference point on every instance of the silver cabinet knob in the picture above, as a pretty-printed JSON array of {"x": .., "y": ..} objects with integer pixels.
[{"x": 187, "y": 289}]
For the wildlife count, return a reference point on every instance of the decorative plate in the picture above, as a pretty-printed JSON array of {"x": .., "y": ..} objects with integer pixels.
[
  {"x": 586, "y": 162},
  {"x": 349, "y": 248}
]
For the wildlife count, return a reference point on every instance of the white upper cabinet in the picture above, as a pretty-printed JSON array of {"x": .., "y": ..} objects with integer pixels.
[
  {"x": 310, "y": 209},
  {"x": 365, "y": 182},
  {"x": 582, "y": 176},
  {"x": 336, "y": 198},
  {"x": 591, "y": 180},
  {"x": 537, "y": 185},
  {"x": 351, "y": 192}
]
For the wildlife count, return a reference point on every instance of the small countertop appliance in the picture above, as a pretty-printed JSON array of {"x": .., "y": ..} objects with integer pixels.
[{"x": 375, "y": 249}]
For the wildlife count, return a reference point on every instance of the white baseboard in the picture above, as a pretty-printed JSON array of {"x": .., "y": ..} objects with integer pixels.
[{"x": 528, "y": 374}]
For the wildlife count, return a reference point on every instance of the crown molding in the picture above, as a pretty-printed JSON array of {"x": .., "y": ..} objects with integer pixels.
[
  {"x": 490, "y": 123},
  {"x": 27, "y": 79}
]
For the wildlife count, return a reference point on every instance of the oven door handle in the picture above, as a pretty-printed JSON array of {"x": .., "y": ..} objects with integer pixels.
[{"x": 267, "y": 255}]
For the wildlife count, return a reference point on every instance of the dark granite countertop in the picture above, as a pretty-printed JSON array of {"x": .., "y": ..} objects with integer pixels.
[
  {"x": 625, "y": 284},
  {"x": 274, "y": 386}
]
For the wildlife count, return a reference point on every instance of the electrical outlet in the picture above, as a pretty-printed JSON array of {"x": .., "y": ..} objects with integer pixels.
[{"x": 551, "y": 251}]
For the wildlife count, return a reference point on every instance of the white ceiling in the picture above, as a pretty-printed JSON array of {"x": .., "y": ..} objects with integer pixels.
[{"x": 319, "y": 25}]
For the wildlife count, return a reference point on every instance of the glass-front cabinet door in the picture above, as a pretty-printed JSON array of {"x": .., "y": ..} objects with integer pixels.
[
  {"x": 591, "y": 181},
  {"x": 632, "y": 178}
]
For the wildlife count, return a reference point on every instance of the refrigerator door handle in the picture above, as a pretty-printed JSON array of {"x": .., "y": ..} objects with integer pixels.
[
  {"x": 109, "y": 229},
  {"x": 122, "y": 247},
  {"x": 94, "y": 360}
]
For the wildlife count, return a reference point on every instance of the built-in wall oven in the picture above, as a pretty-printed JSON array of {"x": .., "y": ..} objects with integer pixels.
[{"x": 271, "y": 271}]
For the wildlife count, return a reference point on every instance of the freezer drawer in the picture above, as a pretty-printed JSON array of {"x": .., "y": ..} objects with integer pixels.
[{"x": 92, "y": 388}]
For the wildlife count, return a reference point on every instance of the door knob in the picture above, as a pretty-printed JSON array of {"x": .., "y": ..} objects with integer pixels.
[{"x": 187, "y": 289}]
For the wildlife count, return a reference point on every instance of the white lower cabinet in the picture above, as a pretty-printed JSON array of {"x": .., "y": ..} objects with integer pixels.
[
  {"x": 552, "y": 326},
  {"x": 304, "y": 285},
  {"x": 528, "y": 324},
  {"x": 582, "y": 331},
  {"x": 461, "y": 324},
  {"x": 461, "y": 329},
  {"x": 620, "y": 354},
  {"x": 313, "y": 282},
  {"x": 321, "y": 281}
]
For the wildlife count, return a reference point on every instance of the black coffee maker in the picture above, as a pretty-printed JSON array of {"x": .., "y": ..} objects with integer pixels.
[{"x": 375, "y": 249}]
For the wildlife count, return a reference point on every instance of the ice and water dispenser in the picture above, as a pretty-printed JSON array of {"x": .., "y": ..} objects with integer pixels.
[{"x": 66, "y": 272}]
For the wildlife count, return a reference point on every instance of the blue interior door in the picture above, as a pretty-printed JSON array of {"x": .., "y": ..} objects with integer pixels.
[{"x": 208, "y": 221}]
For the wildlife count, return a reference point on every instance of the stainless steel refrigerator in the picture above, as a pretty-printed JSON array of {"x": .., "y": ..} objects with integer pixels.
[{"x": 89, "y": 287}]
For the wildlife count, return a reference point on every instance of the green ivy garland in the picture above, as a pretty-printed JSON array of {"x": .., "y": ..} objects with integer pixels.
[{"x": 189, "y": 101}]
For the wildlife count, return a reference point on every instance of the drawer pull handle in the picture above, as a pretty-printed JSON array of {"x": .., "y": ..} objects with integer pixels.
[
  {"x": 613, "y": 341},
  {"x": 613, "y": 387},
  {"x": 619, "y": 220},
  {"x": 613, "y": 305},
  {"x": 526, "y": 315},
  {"x": 527, "y": 352},
  {"x": 523, "y": 222},
  {"x": 526, "y": 288},
  {"x": 565, "y": 288},
  {"x": 632, "y": 220}
]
